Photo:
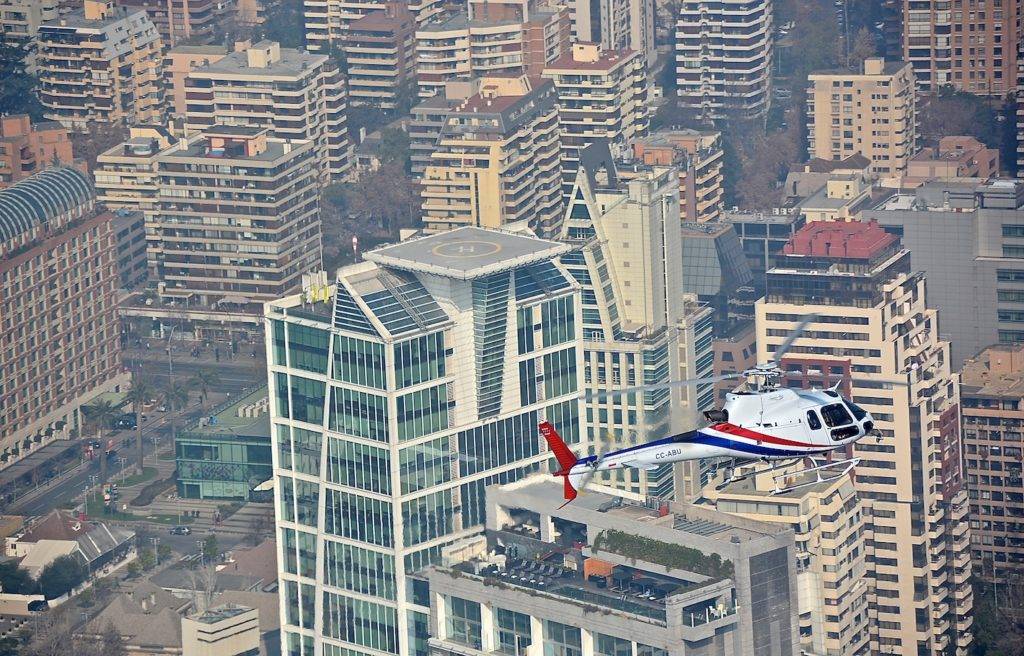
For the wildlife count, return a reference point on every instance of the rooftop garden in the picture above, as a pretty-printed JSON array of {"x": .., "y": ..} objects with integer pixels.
[{"x": 674, "y": 556}]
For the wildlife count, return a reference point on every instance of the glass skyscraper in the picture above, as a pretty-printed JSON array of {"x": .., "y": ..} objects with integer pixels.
[{"x": 397, "y": 395}]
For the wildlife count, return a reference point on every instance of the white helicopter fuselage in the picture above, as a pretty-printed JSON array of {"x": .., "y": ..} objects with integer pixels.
[{"x": 773, "y": 424}]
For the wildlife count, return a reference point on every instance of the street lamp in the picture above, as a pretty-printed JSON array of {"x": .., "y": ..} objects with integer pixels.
[
  {"x": 202, "y": 554},
  {"x": 156, "y": 549},
  {"x": 122, "y": 460}
]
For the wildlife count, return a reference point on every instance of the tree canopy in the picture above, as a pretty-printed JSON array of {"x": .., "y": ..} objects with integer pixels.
[{"x": 61, "y": 576}]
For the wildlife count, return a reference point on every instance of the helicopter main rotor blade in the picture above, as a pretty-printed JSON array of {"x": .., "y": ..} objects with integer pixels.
[
  {"x": 794, "y": 335},
  {"x": 670, "y": 384}
]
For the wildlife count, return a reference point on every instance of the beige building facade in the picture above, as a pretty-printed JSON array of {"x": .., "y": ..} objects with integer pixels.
[
  {"x": 495, "y": 161},
  {"x": 828, "y": 523},
  {"x": 872, "y": 113},
  {"x": 602, "y": 98},
  {"x": 294, "y": 94},
  {"x": 101, "y": 64},
  {"x": 20, "y": 21},
  {"x": 179, "y": 61},
  {"x": 872, "y": 318},
  {"x": 698, "y": 155},
  {"x": 326, "y": 21}
]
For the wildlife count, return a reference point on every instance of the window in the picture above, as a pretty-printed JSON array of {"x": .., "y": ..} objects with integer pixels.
[
  {"x": 606, "y": 645},
  {"x": 836, "y": 415},
  {"x": 561, "y": 639},
  {"x": 813, "y": 421},
  {"x": 462, "y": 622},
  {"x": 512, "y": 632}
]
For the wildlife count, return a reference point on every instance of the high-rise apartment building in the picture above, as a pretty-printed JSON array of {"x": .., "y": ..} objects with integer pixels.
[
  {"x": 978, "y": 286},
  {"x": 395, "y": 402},
  {"x": 58, "y": 308},
  {"x": 27, "y": 148},
  {"x": 828, "y": 522},
  {"x": 638, "y": 328},
  {"x": 236, "y": 218},
  {"x": 992, "y": 394},
  {"x": 872, "y": 318},
  {"x": 293, "y": 94},
  {"x": 602, "y": 99},
  {"x": 698, "y": 155},
  {"x": 327, "y": 21},
  {"x": 194, "y": 21},
  {"x": 495, "y": 161},
  {"x": 491, "y": 37},
  {"x": 971, "y": 46},
  {"x": 724, "y": 57},
  {"x": 380, "y": 55},
  {"x": 616, "y": 25},
  {"x": 101, "y": 64},
  {"x": 872, "y": 113},
  {"x": 613, "y": 577},
  {"x": 20, "y": 21},
  {"x": 126, "y": 175},
  {"x": 179, "y": 61}
]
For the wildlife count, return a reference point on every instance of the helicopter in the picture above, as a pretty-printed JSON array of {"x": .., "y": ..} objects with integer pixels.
[{"x": 767, "y": 423}]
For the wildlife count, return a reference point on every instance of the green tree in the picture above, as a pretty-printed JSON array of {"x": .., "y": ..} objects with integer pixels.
[
  {"x": 141, "y": 393},
  {"x": 205, "y": 380},
  {"x": 287, "y": 25},
  {"x": 394, "y": 148},
  {"x": 100, "y": 414},
  {"x": 163, "y": 552},
  {"x": 18, "y": 91},
  {"x": 61, "y": 576},
  {"x": 211, "y": 549},
  {"x": 147, "y": 560},
  {"x": 15, "y": 580},
  {"x": 175, "y": 396}
]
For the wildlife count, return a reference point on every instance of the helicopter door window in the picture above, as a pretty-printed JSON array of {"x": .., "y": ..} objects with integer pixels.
[
  {"x": 813, "y": 421},
  {"x": 836, "y": 414}
]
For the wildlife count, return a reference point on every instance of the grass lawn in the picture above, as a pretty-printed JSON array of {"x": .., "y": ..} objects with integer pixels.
[
  {"x": 148, "y": 474},
  {"x": 96, "y": 510}
]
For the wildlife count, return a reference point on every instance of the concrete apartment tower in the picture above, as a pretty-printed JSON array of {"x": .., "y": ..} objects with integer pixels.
[
  {"x": 255, "y": 243},
  {"x": 58, "y": 278},
  {"x": 992, "y": 392},
  {"x": 495, "y": 161},
  {"x": 873, "y": 321},
  {"x": 698, "y": 155},
  {"x": 20, "y": 21},
  {"x": 616, "y": 25},
  {"x": 724, "y": 57},
  {"x": 970, "y": 46},
  {"x": 828, "y": 522},
  {"x": 602, "y": 99},
  {"x": 489, "y": 38},
  {"x": 397, "y": 395},
  {"x": 872, "y": 113},
  {"x": 327, "y": 21},
  {"x": 101, "y": 64},
  {"x": 638, "y": 328},
  {"x": 292, "y": 93},
  {"x": 380, "y": 56}
]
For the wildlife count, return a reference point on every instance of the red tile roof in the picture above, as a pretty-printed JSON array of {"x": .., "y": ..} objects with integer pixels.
[{"x": 853, "y": 239}]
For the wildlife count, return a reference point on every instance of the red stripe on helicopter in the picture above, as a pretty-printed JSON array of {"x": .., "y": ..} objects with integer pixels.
[{"x": 739, "y": 431}]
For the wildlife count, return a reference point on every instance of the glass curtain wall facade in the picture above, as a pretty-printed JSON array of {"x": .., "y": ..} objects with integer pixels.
[{"x": 391, "y": 414}]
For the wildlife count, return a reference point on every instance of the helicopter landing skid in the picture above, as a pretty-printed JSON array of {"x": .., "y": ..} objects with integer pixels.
[
  {"x": 838, "y": 469},
  {"x": 730, "y": 469}
]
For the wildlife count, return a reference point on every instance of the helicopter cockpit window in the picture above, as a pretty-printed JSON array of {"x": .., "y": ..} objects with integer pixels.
[
  {"x": 812, "y": 420},
  {"x": 836, "y": 414},
  {"x": 857, "y": 411}
]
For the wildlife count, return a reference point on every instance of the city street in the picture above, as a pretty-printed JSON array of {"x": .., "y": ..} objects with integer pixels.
[{"x": 237, "y": 374}]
